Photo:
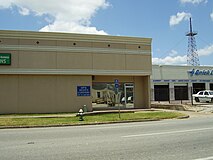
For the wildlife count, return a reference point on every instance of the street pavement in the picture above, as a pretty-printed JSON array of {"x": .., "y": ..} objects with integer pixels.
[{"x": 186, "y": 139}]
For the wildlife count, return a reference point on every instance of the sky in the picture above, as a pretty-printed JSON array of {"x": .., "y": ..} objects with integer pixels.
[{"x": 165, "y": 21}]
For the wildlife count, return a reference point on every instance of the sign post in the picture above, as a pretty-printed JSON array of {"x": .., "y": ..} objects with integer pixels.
[{"x": 116, "y": 92}]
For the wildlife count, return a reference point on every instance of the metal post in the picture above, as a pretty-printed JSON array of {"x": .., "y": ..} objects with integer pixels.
[
  {"x": 116, "y": 95},
  {"x": 119, "y": 109},
  {"x": 125, "y": 95},
  {"x": 192, "y": 96}
]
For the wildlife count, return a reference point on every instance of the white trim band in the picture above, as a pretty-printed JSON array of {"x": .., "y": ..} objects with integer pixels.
[{"x": 74, "y": 72}]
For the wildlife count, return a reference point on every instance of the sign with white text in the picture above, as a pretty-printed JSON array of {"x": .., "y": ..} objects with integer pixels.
[
  {"x": 83, "y": 90},
  {"x": 5, "y": 59}
]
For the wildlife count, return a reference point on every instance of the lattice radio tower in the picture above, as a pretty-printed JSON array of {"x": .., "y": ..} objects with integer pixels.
[{"x": 192, "y": 56}]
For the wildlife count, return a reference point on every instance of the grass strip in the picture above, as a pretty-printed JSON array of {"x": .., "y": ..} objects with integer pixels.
[
  {"x": 102, "y": 118},
  {"x": 35, "y": 114}
]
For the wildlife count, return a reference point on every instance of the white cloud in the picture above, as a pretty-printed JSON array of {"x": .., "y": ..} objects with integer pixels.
[
  {"x": 176, "y": 19},
  {"x": 71, "y": 27},
  {"x": 6, "y": 4},
  {"x": 205, "y": 51},
  {"x": 170, "y": 60},
  {"x": 24, "y": 11},
  {"x": 68, "y": 15},
  {"x": 194, "y": 1},
  {"x": 173, "y": 53},
  {"x": 211, "y": 15}
]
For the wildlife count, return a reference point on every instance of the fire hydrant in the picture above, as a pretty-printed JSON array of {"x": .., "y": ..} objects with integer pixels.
[{"x": 81, "y": 114}]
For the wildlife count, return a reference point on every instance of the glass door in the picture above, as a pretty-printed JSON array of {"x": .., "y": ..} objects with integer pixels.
[{"x": 129, "y": 95}]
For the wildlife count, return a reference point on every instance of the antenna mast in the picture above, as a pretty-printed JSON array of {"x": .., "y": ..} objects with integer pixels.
[{"x": 192, "y": 56}]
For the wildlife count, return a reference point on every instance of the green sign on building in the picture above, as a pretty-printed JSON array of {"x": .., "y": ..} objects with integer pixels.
[{"x": 5, "y": 58}]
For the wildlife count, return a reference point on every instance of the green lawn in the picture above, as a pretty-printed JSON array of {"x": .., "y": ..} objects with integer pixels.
[{"x": 72, "y": 120}]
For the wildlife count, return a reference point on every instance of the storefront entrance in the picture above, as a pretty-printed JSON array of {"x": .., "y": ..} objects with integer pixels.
[
  {"x": 129, "y": 95},
  {"x": 106, "y": 95}
]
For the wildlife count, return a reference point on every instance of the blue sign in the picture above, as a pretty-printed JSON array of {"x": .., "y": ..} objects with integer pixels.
[
  {"x": 83, "y": 90},
  {"x": 198, "y": 72},
  {"x": 116, "y": 83}
]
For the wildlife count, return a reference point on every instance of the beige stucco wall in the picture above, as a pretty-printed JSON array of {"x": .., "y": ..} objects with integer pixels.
[
  {"x": 47, "y": 67},
  {"x": 89, "y": 53},
  {"x": 142, "y": 92},
  {"x": 77, "y": 60},
  {"x": 9, "y": 94},
  {"x": 42, "y": 94}
]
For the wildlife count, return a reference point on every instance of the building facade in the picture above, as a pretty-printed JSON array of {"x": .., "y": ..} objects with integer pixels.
[
  {"x": 43, "y": 72},
  {"x": 170, "y": 82}
]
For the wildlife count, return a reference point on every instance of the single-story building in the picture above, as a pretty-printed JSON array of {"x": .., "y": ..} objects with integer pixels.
[
  {"x": 175, "y": 82},
  {"x": 42, "y": 72}
]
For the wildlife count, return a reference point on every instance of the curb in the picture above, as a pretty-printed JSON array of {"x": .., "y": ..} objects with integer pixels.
[{"x": 183, "y": 117}]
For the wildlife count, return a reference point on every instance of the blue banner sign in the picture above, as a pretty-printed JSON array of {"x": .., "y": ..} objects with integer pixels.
[
  {"x": 197, "y": 72},
  {"x": 83, "y": 90}
]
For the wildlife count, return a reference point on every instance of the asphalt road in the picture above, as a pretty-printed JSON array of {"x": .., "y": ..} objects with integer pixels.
[{"x": 188, "y": 139}]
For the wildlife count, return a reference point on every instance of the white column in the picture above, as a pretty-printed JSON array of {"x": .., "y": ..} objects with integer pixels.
[
  {"x": 171, "y": 92},
  {"x": 152, "y": 92},
  {"x": 207, "y": 86},
  {"x": 189, "y": 90}
]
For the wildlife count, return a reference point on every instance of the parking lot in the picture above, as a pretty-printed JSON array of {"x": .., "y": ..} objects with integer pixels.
[{"x": 203, "y": 107}]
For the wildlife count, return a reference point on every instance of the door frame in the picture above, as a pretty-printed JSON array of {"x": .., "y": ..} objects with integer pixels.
[{"x": 126, "y": 86}]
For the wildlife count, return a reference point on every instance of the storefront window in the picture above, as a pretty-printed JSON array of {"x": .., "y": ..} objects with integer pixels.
[{"x": 107, "y": 95}]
